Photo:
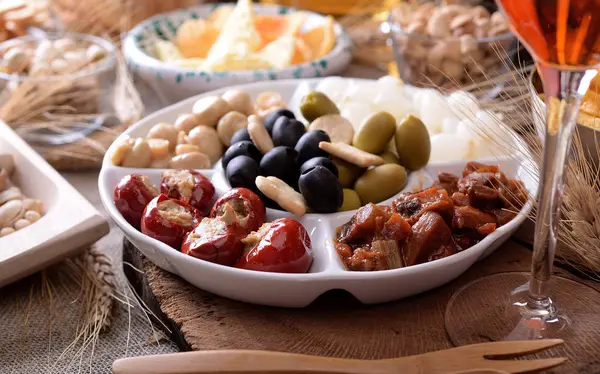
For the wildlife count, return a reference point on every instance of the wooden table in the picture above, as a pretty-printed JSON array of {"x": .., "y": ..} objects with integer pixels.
[{"x": 335, "y": 324}]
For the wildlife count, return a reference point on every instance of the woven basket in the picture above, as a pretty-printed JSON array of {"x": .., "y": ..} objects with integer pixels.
[{"x": 112, "y": 16}]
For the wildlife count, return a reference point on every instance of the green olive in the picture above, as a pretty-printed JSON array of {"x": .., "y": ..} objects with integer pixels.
[
  {"x": 380, "y": 183},
  {"x": 316, "y": 104},
  {"x": 389, "y": 157},
  {"x": 351, "y": 200},
  {"x": 375, "y": 132},
  {"x": 347, "y": 172},
  {"x": 412, "y": 143}
]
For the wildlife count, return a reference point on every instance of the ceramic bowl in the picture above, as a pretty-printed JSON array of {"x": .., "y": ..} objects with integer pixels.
[
  {"x": 327, "y": 271},
  {"x": 175, "y": 83}
]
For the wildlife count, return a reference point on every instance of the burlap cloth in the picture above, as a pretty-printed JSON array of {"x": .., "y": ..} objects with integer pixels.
[{"x": 36, "y": 329}]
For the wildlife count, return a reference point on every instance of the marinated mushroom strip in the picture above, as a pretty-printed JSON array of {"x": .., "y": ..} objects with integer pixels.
[
  {"x": 428, "y": 235},
  {"x": 484, "y": 197},
  {"x": 351, "y": 154},
  {"x": 486, "y": 229},
  {"x": 396, "y": 228},
  {"x": 448, "y": 182},
  {"x": 445, "y": 250},
  {"x": 362, "y": 226},
  {"x": 389, "y": 251},
  {"x": 363, "y": 259},
  {"x": 470, "y": 217},
  {"x": 412, "y": 206},
  {"x": 474, "y": 166}
]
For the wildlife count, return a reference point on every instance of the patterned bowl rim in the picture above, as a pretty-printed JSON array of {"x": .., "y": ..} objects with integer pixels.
[{"x": 136, "y": 55}]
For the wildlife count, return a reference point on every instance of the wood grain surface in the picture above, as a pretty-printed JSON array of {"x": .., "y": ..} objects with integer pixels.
[{"x": 336, "y": 324}]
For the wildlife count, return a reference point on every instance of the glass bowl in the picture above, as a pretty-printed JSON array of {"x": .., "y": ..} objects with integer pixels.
[
  {"x": 87, "y": 94},
  {"x": 450, "y": 62}
]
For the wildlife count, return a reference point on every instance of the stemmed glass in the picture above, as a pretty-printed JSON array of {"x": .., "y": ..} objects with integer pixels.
[{"x": 563, "y": 36}]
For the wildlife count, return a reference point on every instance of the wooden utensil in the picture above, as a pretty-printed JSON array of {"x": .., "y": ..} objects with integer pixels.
[{"x": 472, "y": 358}]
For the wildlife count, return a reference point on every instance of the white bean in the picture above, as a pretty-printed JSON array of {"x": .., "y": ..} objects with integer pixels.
[
  {"x": 209, "y": 110},
  {"x": 164, "y": 131},
  {"x": 239, "y": 101},
  {"x": 33, "y": 204},
  {"x": 192, "y": 160}
]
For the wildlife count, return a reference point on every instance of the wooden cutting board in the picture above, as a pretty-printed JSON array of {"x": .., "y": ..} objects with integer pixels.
[{"x": 334, "y": 325}]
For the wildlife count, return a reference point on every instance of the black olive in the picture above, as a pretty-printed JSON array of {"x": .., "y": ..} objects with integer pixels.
[
  {"x": 320, "y": 161},
  {"x": 241, "y": 134},
  {"x": 321, "y": 190},
  {"x": 308, "y": 145},
  {"x": 287, "y": 132},
  {"x": 242, "y": 172},
  {"x": 270, "y": 119},
  {"x": 281, "y": 162},
  {"x": 245, "y": 148}
]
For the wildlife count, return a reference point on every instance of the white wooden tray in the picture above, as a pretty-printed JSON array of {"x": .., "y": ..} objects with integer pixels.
[{"x": 69, "y": 222}]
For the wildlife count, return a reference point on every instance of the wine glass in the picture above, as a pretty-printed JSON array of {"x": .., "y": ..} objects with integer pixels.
[{"x": 563, "y": 36}]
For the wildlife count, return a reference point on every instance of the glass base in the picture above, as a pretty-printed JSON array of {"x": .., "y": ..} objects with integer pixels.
[{"x": 498, "y": 307}]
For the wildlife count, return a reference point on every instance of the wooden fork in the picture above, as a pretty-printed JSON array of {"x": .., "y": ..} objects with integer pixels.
[{"x": 484, "y": 358}]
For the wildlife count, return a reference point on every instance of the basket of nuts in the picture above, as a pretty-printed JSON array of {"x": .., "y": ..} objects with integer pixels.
[{"x": 448, "y": 45}]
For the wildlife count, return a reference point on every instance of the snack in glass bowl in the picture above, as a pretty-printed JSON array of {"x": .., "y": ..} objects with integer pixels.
[{"x": 448, "y": 45}]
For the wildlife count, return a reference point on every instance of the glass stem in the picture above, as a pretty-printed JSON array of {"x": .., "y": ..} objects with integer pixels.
[{"x": 563, "y": 91}]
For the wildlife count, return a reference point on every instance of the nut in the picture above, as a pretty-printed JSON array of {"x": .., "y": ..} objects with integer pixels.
[
  {"x": 209, "y": 110},
  {"x": 159, "y": 148},
  {"x": 284, "y": 195},
  {"x": 6, "y": 231},
  {"x": 351, "y": 154},
  {"x": 239, "y": 101},
  {"x": 163, "y": 163},
  {"x": 259, "y": 134},
  {"x": 7, "y": 162},
  {"x": 21, "y": 224},
  {"x": 11, "y": 212},
  {"x": 12, "y": 193},
  {"x": 267, "y": 100},
  {"x": 164, "y": 131},
  {"x": 192, "y": 160},
  {"x": 33, "y": 204},
  {"x": 229, "y": 124},
  {"x": 186, "y": 148},
  {"x": 186, "y": 122},
  {"x": 32, "y": 216},
  {"x": 140, "y": 155},
  {"x": 207, "y": 139}
]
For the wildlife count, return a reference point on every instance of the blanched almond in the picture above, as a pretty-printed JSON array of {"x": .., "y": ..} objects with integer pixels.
[
  {"x": 209, "y": 110},
  {"x": 121, "y": 150},
  {"x": 164, "y": 131},
  {"x": 239, "y": 101},
  {"x": 159, "y": 148},
  {"x": 140, "y": 155},
  {"x": 259, "y": 134},
  {"x": 351, "y": 154},
  {"x": 10, "y": 212},
  {"x": 207, "y": 139},
  {"x": 186, "y": 148},
  {"x": 192, "y": 160},
  {"x": 186, "y": 122},
  {"x": 284, "y": 195},
  {"x": 229, "y": 124}
]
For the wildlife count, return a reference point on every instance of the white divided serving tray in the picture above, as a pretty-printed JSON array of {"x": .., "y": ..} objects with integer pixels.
[
  {"x": 327, "y": 271},
  {"x": 69, "y": 222}
]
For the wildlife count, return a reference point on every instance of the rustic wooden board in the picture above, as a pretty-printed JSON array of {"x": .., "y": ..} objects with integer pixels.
[{"x": 334, "y": 325}]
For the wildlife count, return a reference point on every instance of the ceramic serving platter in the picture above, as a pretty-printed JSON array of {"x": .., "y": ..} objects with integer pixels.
[
  {"x": 177, "y": 83},
  {"x": 69, "y": 222},
  {"x": 327, "y": 271}
]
